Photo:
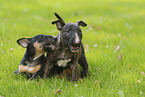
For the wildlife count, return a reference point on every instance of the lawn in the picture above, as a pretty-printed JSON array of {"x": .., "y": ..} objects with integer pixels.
[{"x": 114, "y": 42}]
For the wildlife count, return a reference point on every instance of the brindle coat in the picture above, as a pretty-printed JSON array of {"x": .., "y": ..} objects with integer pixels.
[{"x": 69, "y": 51}]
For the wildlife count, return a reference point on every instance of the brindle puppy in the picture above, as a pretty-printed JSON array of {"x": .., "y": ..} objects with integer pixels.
[
  {"x": 69, "y": 51},
  {"x": 32, "y": 64}
]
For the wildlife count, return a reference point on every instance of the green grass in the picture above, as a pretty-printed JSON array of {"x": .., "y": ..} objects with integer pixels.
[{"x": 110, "y": 24}]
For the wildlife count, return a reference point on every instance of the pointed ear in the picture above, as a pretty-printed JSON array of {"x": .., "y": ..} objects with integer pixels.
[
  {"x": 59, "y": 24},
  {"x": 83, "y": 24},
  {"x": 23, "y": 42},
  {"x": 59, "y": 18}
]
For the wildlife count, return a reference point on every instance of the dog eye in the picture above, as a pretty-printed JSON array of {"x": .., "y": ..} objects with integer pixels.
[
  {"x": 79, "y": 30},
  {"x": 42, "y": 37},
  {"x": 66, "y": 32}
]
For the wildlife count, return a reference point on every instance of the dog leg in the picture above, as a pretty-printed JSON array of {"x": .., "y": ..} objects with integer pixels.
[
  {"x": 67, "y": 73},
  {"x": 47, "y": 69},
  {"x": 84, "y": 64},
  {"x": 75, "y": 72},
  {"x": 48, "y": 65},
  {"x": 33, "y": 76}
]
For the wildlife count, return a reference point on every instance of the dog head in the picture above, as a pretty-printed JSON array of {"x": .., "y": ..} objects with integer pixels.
[
  {"x": 38, "y": 44},
  {"x": 70, "y": 33}
]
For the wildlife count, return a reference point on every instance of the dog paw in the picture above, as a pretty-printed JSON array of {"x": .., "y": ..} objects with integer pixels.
[{"x": 16, "y": 72}]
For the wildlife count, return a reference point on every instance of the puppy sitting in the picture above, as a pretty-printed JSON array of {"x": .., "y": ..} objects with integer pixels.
[{"x": 32, "y": 64}]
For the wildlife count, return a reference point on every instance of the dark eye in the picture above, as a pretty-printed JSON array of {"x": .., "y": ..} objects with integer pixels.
[
  {"x": 41, "y": 37},
  {"x": 79, "y": 30},
  {"x": 66, "y": 32}
]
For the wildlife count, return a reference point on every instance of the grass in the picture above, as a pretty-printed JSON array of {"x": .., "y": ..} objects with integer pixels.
[{"x": 111, "y": 24}]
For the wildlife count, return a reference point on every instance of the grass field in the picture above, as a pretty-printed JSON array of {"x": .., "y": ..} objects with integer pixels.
[{"x": 114, "y": 41}]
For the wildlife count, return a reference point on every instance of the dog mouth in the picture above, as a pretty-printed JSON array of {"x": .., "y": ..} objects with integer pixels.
[{"x": 75, "y": 48}]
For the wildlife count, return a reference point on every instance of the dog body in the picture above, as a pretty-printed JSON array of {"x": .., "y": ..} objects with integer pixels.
[
  {"x": 62, "y": 59},
  {"x": 33, "y": 62},
  {"x": 69, "y": 51}
]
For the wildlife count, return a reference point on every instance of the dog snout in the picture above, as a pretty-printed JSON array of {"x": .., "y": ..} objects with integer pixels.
[
  {"x": 77, "y": 39},
  {"x": 76, "y": 44}
]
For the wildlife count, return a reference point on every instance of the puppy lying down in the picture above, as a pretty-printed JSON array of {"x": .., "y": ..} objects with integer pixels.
[{"x": 32, "y": 64}]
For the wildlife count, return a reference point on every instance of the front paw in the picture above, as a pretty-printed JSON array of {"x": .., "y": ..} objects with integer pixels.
[
  {"x": 75, "y": 79},
  {"x": 84, "y": 74},
  {"x": 16, "y": 72}
]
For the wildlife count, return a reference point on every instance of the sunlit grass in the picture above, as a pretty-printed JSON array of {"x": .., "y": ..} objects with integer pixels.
[{"x": 114, "y": 43}]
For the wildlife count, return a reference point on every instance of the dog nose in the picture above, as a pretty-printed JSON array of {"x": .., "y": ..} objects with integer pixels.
[{"x": 77, "y": 42}]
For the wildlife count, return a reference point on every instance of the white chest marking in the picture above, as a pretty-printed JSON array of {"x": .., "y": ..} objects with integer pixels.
[{"x": 63, "y": 63}]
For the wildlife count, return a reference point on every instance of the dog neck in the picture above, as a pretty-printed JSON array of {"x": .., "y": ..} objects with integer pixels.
[{"x": 60, "y": 41}]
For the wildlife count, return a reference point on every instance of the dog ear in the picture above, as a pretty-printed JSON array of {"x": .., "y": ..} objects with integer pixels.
[
  {"x": 59, "y": 18},
  {"x": 24, "y": 42},
  {"x": 83, "y": 24},
  {"x": 60, "y": 24}
]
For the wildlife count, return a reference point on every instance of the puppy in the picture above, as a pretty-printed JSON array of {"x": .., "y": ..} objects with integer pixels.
[
  {"x": 32, "y": 64},
  {"x": 69, "y": 52}
]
